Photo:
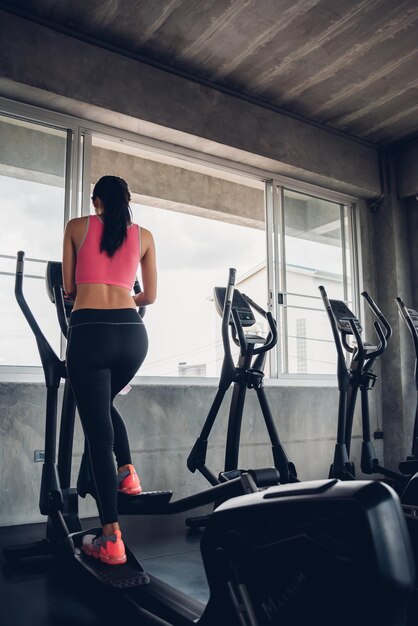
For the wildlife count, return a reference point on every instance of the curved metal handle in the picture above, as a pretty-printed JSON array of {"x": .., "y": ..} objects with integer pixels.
[
  {"x": 383, "y": 341},
  {"x": 372, "y": 356},
  {"x": 346, "y": 344},
  {"x": 332, "y": 321},
  {"x": 230, "y": 286},
  {"x": 239, "y": 329},
  {"x": 361, "y": 353},
  {"x": 271, "y": 337},
  {"x": 324, "y": 296},
  {"x": 20, "y": 265},
  {"x": 407, "y": 318},
  {"x": 404, "y": 312},
  {"x": 47, "y": 354},
  {"x": 372, "y": 304}
]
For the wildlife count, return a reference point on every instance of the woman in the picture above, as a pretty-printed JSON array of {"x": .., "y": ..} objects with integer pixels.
[{"x": 107, "y": 342}]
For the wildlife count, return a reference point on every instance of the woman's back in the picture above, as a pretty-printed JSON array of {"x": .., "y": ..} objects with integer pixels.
[{"x": 81, "y": 235}]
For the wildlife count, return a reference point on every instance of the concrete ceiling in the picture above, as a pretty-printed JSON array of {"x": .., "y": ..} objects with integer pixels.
[{"x": 348, "y": 64}]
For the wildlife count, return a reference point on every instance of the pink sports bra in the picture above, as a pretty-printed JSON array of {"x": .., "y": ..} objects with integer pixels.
[{"x": 94, "y": 266}]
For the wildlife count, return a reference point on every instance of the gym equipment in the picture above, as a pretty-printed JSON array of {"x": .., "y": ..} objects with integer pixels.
[
  {"x": 58, "y": 500},
  {"x": 410, "y": 317},
  {"x": 284, "y": 555},
  {"x": 64, "y": 306},
  {"x": 236, "y": 310},
  {"x": 358, "y": 375}
]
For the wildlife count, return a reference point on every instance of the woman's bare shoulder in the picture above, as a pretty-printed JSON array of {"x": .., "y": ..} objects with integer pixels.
[
  {"x": 147, "y": 240},
  {"x": 76, "y": 225},
  {"x": 77, "y": 221},
  {"x": 146, "y": 233}
]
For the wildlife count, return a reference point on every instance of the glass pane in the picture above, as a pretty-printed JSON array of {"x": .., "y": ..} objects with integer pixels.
[
  {"x": 348, "y": 258},
  {"x": 314, "y": 256},
  {"x": 204, "y": 221},
  {"x": 311, "y": 349},
  {"x": 313, "y": 244},
  {"x": 32, "y": 172},
  {"x": 194, "y": 255}
]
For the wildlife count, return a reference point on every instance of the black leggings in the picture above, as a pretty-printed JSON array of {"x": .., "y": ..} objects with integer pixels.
[{"x": 106, "y": 347}]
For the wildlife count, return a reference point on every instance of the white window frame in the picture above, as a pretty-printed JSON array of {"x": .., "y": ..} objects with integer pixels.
[{"x": 276, "y": 255}]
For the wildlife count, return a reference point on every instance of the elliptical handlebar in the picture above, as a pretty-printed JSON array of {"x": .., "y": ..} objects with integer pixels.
[
  {"x": 230, "y": 286},
  {"x": 384, "y": 335},
  {"x": 325, "y": 299},
  {"x": 372, "y": 304},
  {"x": 406, "y": 315},
  {"x": 332, "y": 320},
  {"x": 242, "y": 342},
  {"x": 346, "y": 344},
  {"x": 401, "y": 304},
  {"x": 372, "y": 356},
  {"x": 271, "y": 339},
  {"x": 52, "y": 365},
  {"x": 270, "y": 343},
  {"x": 360, "y": 353},
  {"x": 21, "y": 300},
  {"x": 383, "y": 340},
  {"x": 226, "y": 315},
  {"x": 407, "y": 318}
]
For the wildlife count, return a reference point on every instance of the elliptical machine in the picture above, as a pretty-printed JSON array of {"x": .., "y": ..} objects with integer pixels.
[
  {"x": 58, "y": 500},
  {"x": 357, "y": 376},
  {"x": 236, "y": 310},
  {"x": 237, "y": 313},
  {"x": 268, "y": 555},
  {"x": 410, "y": 317}
]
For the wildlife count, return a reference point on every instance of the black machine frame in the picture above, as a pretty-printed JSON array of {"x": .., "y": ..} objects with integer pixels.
[
  {"x": 410, "y": 317},
  {"x": 357, "y": 376},
  {"x": 236, "y": 310}
]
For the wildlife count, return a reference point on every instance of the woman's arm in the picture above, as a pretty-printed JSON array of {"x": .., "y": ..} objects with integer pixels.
[
  {"x": 148, "y": 270},
  {"x": 68, "y": 262}
]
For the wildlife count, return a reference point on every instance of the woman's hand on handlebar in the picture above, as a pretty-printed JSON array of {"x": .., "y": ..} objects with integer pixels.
[{"x": 148, "y": 271}]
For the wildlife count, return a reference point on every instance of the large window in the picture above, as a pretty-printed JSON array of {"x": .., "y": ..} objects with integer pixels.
[
  {"x": 312, "y": 246},
  {"x": 206, "y": 215},
  {"x": 32, "y": 181}
]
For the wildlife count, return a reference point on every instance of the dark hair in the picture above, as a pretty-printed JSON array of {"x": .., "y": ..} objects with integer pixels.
[{"x": 117, "y": 215}]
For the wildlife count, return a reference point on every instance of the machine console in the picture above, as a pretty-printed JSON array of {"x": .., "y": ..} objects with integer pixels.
[
  {"x": 239, "y": 303},
  {"x": 342, "y": 316}
]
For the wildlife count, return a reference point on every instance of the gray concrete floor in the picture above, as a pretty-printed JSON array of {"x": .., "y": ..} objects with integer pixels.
[{"x": 39, "y": 594}]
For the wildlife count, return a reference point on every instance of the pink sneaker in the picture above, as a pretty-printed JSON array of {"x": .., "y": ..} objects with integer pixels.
[
  {"x": 110, "y": 550},
  {"x": 128, "y": 482}
]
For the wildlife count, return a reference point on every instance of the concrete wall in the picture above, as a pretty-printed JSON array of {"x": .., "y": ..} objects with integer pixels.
[
  {"x": 163, "y": 422},
  {"x": 407, "y": 170},
  {"x": 411, "y": 205},
  {"x": 388, "y": 242},
  {"x": 132, "y": 95}
]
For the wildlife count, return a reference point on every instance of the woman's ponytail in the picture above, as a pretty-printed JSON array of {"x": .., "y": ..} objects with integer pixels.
[{"x": 117, "y": 215}]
